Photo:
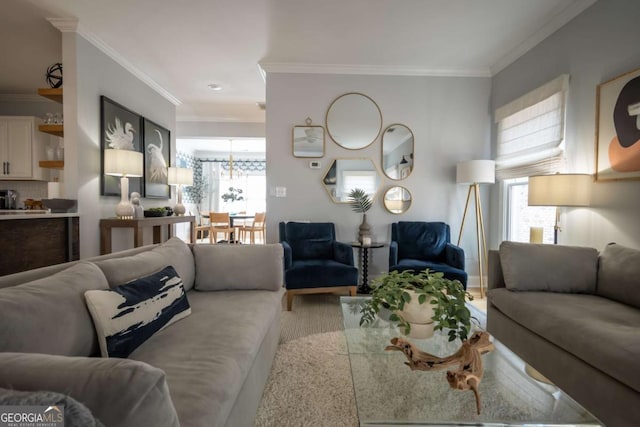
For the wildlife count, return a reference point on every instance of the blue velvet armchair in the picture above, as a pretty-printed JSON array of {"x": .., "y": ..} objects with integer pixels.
[
  {"x": 314, "y": 262},
  {"x": 419, "y": 245}
]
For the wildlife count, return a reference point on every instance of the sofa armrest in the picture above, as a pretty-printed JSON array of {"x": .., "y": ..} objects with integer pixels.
[
  {"x": 121, "y": 392},
  {"x": 288, "y": 255},
  {"x": 454, "y": 256},
  {"x": 239, "y": 267},
  {"x": 494, "y": 272},
  {"x": 393, "y": 253},
  {"x": 343, "y": 253}
]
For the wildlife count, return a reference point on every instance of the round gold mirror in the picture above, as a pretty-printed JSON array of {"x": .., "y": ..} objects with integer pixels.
[
  {"x": 354, "y": 121},
  {"x": 397, "y": 151},
  {"x": 345, "y": 175},
  {"x": 397, "y": 200}
]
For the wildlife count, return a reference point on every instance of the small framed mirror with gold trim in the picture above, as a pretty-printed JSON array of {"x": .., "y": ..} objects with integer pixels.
[
  {"x": 397, "y": 200},
  {"x": 308, "y": 140}
]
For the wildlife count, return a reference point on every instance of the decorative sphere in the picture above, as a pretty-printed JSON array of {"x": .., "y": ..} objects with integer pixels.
[{"x": 54, "y": 75}]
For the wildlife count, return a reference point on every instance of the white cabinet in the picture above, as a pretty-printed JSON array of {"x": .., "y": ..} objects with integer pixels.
[{"x": 21, "y": 147}]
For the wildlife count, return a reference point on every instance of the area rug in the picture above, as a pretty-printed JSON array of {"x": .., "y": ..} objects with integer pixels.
[{"x": 310, "y": 384}]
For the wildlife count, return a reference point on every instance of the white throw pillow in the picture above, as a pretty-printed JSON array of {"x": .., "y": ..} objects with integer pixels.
[{"x": 128, "y": 315}]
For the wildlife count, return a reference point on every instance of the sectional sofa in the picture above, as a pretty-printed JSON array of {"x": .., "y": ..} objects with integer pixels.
[
  {"x": 573, "y": 314},
  {"x": 206, "y": 369}
]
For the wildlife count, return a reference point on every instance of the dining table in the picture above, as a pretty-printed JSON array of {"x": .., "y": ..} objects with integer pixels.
[{"x": 232, "y": 218}]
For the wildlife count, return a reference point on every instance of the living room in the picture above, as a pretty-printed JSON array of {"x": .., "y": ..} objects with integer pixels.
[{"x": 451, "y": 116}]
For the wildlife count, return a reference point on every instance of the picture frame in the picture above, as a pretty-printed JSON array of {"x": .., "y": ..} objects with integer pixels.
[
  {"x": 157, "y": 158},
  {"x": 618, "y": 128},
  {"x": 308, "y": 141},
  {"x": 120, "y": 128}
]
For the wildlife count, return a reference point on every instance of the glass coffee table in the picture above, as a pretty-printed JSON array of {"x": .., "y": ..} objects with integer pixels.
[{"x": 387, "y": 392}]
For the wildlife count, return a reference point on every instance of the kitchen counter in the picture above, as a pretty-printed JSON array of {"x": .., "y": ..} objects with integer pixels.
[
  {"x": 33, "y": 239},
  {"x": 25, "y": 214}
]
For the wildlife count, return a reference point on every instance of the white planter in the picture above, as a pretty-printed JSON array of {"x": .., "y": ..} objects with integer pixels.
[{"x": 418, "y": 316}]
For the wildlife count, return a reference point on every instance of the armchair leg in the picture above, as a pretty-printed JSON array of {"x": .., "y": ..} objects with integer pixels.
[
  {"x": 353, "y": 291},
  {"x": 290, "y": 296}
]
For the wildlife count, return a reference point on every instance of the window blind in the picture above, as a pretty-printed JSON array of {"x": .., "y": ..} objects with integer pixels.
[{"x": 531, "y": 132}]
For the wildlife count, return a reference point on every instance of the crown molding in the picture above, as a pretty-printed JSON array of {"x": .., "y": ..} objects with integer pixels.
[
  {"x": 557, "y": 21},
  {"x": 375, "y": 70},
  {"x": 215, "y": 119},
  {"x": 22, "y": 97},
  {"x": 66, "y": 25}
]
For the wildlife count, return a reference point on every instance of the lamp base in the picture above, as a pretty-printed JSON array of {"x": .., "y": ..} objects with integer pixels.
[
  {"x": 124, "y": 209},
  {"x": 179, "y": 209}
]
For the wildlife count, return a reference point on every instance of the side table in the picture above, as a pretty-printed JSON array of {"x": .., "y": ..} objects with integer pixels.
[
  {"x": 138, "y": 225},
  {"x": 363, "y": 251}
]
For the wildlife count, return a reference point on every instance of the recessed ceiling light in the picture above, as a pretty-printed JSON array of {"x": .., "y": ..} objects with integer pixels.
[{"x": 215, "y": 87}]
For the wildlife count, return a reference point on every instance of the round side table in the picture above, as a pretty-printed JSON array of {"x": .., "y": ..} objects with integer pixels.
[{"x": 364, "y": 263}]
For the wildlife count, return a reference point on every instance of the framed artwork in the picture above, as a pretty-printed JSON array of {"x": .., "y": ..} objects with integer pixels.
[
  {"x": 618, "y": 128},
  {"x": 308, "y": 140},
  {"x": 120, "y": 129},
  {"x": 157, "y": 141}
]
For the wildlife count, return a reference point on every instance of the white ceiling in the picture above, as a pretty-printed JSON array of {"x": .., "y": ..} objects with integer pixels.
[{"x": 184, "y": 46}]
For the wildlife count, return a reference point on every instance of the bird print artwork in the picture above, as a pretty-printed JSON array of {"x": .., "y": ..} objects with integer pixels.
[
  {"x": 118, "y": 137},
  {"x": 157, "y": 164}
]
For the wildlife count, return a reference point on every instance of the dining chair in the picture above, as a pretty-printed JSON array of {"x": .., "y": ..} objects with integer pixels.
[
  {"x": 257, "y": 226},
  {"x": 219, "y": 222},
  {"x": 202, "y": 227}
]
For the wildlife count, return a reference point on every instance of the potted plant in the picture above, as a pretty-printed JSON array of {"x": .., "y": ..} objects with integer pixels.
[
  {"x": 361, "y": 203},
  {"x": 409, "y": 295}
]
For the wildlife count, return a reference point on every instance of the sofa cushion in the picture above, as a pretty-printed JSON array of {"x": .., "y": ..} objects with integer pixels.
[
  {"x": 316, "y": 273},
  {"x": 221, "y": 267},
  {"x": 173, "y": 252},
  {"x": 49, "y": 315},
  {"x": 619, "y": 274},
  {"x": 119, "y": 392},
  {"x": 418, "y": 265},
  {"x": 128, "y": 315},
  {"x": 208, "y": 355},
  {"x": 555, "y": 268},
  {"x": 603, "y": 333}
]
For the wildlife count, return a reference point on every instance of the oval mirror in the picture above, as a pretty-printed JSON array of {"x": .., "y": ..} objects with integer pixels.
[
  {"x": 397, "y": 151},
  {"x": 397, "y": 200},
  {"x": 344, "y": 175},
  {"x": 354, "y": 121}
]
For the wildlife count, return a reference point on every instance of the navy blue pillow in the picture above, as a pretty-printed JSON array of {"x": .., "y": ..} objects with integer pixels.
[{"x": 129, "y": 314}]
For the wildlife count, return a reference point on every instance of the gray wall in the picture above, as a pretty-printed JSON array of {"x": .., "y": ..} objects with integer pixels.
[
  {"x": 219, "y": 129},
  {"x": 449, "y": 118},
  {"x": 89, "y": 73},
  {"x": 597, "y": 45}
]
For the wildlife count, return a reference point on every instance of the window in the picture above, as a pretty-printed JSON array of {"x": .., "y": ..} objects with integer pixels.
[
  {"x": 530, "y": 141},
  {"x": 365, "y": 180}
]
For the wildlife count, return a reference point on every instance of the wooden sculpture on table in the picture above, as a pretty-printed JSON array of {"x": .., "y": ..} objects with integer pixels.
[{"x": 468, "y": 358}]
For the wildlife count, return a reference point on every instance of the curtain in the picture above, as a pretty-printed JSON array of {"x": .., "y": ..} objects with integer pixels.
[{"x": 531, "y": 132}]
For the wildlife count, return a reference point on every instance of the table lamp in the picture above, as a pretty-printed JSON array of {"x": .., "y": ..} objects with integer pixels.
[
  {"x": 476, "y": 172},
  {"x": 573, "y": 189},
  {"x": 180, "y": 177},
  {"x": 125, "y": 164}
]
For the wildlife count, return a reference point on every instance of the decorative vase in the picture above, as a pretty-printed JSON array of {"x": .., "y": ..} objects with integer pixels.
[
  {"x": 419, "y": 316},
  {"x": 365, "y": 228}
]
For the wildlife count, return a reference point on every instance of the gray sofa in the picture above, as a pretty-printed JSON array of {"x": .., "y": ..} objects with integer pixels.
[
  {"x": 574, "y": 315},
  {"x": 207, "y": 369}
]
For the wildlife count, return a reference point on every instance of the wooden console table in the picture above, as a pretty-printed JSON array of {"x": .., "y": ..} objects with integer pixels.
[{"x": 138, "y": 225}]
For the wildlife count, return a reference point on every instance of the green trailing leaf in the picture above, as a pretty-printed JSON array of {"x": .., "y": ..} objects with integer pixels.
[
  {"x": 446, "y": 296},
  {"x": 359, "y": 200}
]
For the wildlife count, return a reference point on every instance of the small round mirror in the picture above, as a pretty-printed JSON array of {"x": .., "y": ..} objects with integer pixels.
[
  {"x": 397, "y": 151},
  {"x": 397, "y": 200},
  {"x": 354, "y": 121}
]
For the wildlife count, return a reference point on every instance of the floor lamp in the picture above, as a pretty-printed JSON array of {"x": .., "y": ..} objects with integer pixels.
[
  {"x": 573, "y": 189},
  {"x": 474, "y": 173}
]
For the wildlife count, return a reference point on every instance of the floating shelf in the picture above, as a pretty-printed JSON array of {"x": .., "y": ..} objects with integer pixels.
[
  {"x": 52, "y": 164},
  {"x": 52, "y": 94},
  {"x": 57, "y": 130}
]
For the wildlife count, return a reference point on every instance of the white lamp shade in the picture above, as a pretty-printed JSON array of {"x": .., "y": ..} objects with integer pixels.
[
  {"x": 123, "y": 163},
  {"x": 560, "y": 190},
  {"x": 180, "y": 176},
  {"x": 476, "y": 171}
]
